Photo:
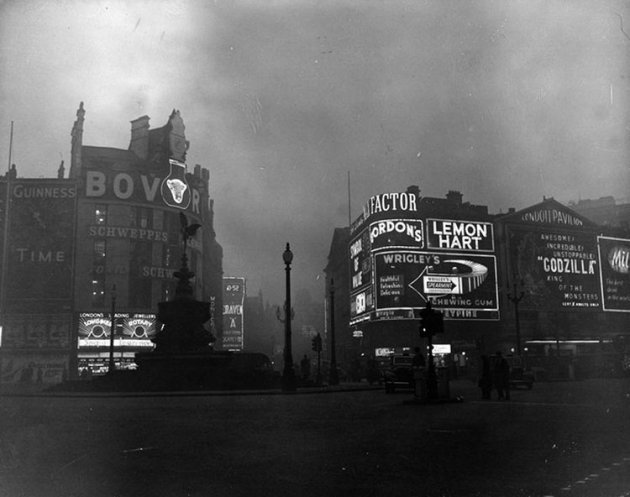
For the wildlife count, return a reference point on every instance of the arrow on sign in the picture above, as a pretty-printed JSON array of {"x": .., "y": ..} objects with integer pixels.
[{"x": 442, "y": 284}]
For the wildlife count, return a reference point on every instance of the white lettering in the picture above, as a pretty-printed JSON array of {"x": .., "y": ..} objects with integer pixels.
[{"x": 94, "y": 184}]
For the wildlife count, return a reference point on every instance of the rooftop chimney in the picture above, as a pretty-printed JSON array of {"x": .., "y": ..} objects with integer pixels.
[
  {"x": 139, "y": 143},
  {"x": 415, "y": 189},
  {"x": 454, "y": 197}
]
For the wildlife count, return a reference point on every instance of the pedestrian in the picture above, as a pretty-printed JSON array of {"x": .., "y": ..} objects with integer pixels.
[
  {"x": 501, "y": 377},
  {"x": 418, "y": 359},
  {"x": 305, "y": 367},
  {"x": 485, "y": 378}
]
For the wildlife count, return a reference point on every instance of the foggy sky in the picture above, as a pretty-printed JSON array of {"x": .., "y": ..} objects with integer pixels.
[{"x": 505, "y": 101}]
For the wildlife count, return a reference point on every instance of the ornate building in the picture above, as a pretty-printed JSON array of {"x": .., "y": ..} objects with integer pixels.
[{"x": 114, "y": 242}]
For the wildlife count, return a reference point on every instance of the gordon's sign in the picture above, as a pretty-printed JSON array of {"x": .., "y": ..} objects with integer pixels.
[{"x": 396, "y": 233}]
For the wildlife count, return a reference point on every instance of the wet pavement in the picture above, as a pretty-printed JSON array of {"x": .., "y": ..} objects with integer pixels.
[{"x": 559, "y": 439}]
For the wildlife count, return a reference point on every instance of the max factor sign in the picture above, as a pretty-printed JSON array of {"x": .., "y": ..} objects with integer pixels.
[
  {"x": 389, "y": 202},
  {"x": 460, "y": 235},
  {"x": 173, "y": 190}
]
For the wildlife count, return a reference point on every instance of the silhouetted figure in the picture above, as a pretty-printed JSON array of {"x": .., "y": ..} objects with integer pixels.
[
  {"x": 501, "y": 377},
  {"x": 305, "y": 367},
  {"x": 485, "y": 378},
  {"x": 372, "y": 373},
  {"x": 418, "y": 359}
]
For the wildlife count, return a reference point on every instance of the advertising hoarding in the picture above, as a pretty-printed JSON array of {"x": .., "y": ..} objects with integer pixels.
[
  {"x": 360, "y": 261},
  {"x": 34, "y": 368},
  {"x": 614, "y": 259},
  {"x": 134, "y": 330},
  {"x": 558, "y": 268},
  {"x": 462, "y": 286},
  {"x": 233, "y": 301},
  {"x": 37, "y": 331},
  {"x": 40, "y": 244},
  {"x": 170, "y": 189},
  {"x": 449, "y": 234}
]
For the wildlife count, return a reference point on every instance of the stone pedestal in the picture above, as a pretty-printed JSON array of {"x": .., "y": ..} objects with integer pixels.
[{"x": 183, "y": 371}]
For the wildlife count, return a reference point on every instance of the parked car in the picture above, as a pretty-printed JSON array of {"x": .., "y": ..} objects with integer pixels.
[
  {"x": 520, "y": 376},
  {"x": 398, "y": 375}
]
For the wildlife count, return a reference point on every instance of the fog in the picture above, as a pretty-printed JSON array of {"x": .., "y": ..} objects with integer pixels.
[{"x": 505, "y": 101}]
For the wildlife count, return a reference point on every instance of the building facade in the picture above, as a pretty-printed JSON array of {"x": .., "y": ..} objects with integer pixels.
[
  {"x": 503, "y": 282},
  {"x": 115, "y": 248}
]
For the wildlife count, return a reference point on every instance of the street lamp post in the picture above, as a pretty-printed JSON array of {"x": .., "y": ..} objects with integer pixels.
[
  {"x": 334, "y": 375},
  {"x": 288, "y": 374},
  {"x": 112, "y": 331},
  {"x": 515, "y": 299}
]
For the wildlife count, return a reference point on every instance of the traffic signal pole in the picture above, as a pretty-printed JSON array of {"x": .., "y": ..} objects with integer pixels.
[{"x": 431, "y": 324}]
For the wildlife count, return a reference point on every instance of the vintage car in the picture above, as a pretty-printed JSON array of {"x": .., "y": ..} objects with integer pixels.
[
  {"x": 398, "y": 374},
  {"x": 520, "y": 376}
]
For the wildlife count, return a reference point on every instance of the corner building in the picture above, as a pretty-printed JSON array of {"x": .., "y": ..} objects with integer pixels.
[{"x": 127, "y": 245}]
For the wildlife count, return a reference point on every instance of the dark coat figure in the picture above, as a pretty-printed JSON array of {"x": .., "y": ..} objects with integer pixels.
[
  {"x": 372, "y": 373},
  {"x": 485, "y": 378},
  {"x": 501, "y": 377},
  {"x": 418, "y": 359},
  {"x": 305, "y": 367}
]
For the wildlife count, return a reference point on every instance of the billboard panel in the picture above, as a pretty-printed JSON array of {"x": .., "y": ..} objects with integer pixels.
[
  {"x": 559, "y": 268},
  {"x": 614, "y": 261},
  {"x": 449, "y": 234},
  {"x": 34, "y": 368},
  {"x": 463, "y": 286},
  {"x": 233, "y": 301},
  {"x": 37, "y": 331},
  {"x": 360, "y": 261},
  {"x": 40, "y": 244},
  {"x": 134, "y": 330}
]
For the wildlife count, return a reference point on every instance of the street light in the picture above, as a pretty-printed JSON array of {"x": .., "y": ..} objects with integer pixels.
[
  {"x": 334, "y": 375},
  {"x": 112, "y": 331},
  {"x": 288, "y": 374},
  {"x": 515, "y": 300}
]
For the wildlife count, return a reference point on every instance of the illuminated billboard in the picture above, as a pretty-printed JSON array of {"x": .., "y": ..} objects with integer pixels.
[
  {"x": 134, "y": 330},
  {"x": 558, "y": 268},
  {"x": 233, "y": 301},
  {"x": 462, "y": 286},
  {"x": 40, "y": 245},
  {"x": 402, "y": 257},
  {"x": 448, "y": 234},
  {"x": 614, "y": 258}
]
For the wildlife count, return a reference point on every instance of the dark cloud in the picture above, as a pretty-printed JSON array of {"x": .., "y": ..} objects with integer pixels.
[{"x": 505, "y": 101}]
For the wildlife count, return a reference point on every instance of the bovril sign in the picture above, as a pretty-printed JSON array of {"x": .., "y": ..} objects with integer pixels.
[{"x": 142, "y": 188}]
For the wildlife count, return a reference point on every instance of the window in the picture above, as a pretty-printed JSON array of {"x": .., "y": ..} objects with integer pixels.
[
  {"x": 139, "y": 282},
  {"x": 100, "y": 214},
  {"x": 140, "y": 217},
  {"x": 97, "y": 290},
  {"x": 158, "y": 219},
  {"x": 100, "y": 249}
]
